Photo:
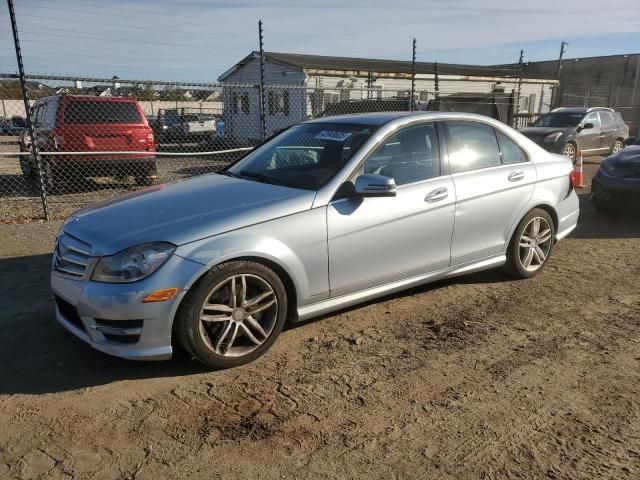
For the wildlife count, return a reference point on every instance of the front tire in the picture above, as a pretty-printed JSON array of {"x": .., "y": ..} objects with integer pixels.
[
  {"x": 531, "y": 244},
  {"x": 233, "y": 315}
]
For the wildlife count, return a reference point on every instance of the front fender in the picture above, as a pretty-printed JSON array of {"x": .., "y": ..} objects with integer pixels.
[{"x": 297, "y": 243}]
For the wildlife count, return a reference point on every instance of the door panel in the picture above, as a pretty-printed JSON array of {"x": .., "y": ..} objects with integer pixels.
[
  {"x": 608, "y": 133},
  {"x": 377, "y": 240},
  {"x": 493, "y": 181},
  {"x": 373, "y": 241},
  {"x": 489, "y": 202},
  {"x": 589, "y": 139}
]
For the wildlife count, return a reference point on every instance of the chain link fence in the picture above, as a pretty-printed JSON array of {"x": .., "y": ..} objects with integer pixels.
[{"x": 99, "y": 138}]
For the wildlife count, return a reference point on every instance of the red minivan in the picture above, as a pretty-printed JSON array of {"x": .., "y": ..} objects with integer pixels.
[{"x": 79, "y": 124}]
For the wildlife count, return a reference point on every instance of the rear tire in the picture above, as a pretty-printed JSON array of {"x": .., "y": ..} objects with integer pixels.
[
  {"x": 617, "y": 146},
  {"x": 531, "y": 244},
  {"x": 53, "y": 179},
  {"x": 232, "y": 315},
  {"x": 569, "y": 150}
]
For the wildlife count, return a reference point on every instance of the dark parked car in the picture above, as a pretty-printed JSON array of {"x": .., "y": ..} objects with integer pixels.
[
  {"x": 566, "y": 130},
  {"x": 616, "y": 185},
  {"x": 84, "y": 126},
  {"x": 12, "y": 126}
]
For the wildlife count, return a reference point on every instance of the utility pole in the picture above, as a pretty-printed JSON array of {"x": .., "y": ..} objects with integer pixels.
[
  {"x": 562, "y": 45},
  {"x": 555, "y": 94},
  {"x": 413, "y": 76},
  {"x": 263, "y": 125},
  {"x": 520, "y": 69},
  {"x": 436, "y": 79},
  {"x": 27, "y": 108}
]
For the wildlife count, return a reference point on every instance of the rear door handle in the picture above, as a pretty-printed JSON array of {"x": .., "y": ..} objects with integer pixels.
[
  {"x": 436, "y": 195},
  {"x": 516, "y": 176}
]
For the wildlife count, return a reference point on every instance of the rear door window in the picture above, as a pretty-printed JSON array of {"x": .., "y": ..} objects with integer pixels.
[
  {"x": 471, "y": 146},
  {"x": 511, "y": 151},
  {"x": 78, "y": 112},
  {"x": 606, "y": 118}
]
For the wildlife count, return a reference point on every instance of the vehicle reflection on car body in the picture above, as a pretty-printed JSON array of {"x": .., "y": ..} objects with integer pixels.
[{"x": 325, "y": 215}]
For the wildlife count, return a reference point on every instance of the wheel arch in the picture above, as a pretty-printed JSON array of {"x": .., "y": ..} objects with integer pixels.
[
  {"x": 289, "y": 284},
  {"x": 547, "y": 207}
]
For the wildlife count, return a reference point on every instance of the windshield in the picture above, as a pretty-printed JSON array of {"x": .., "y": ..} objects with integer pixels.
[
  {"x": 306, "y": 156},
  {"x": 559, "y": 119},
  {"x": 95, "y": 111}
]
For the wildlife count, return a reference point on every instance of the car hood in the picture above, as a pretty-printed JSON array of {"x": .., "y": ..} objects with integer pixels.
[
  {"x": 627, "y": 157},
  {"x": 625, "y": 163},
  {"x": 183, "y": 212},
  {"x": 541, "y": 131}
]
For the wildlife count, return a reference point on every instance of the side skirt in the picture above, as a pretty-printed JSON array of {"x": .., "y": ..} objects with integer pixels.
[{"x": 332, "y": 304}]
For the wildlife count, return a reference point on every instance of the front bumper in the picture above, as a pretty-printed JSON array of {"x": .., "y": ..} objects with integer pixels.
[
  {"x": 620, "y": 192},
  {"x": 112, "y": 318}
]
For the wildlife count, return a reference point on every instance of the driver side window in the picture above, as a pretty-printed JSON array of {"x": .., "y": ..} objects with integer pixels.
[
  {"x": 592, "y": 118},
  {"x": 411, "y": 155}
]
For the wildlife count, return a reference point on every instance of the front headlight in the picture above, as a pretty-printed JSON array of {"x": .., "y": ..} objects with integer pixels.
[
  {"x": 132, "y": 264},
  {"x": 552, "y": 137}
]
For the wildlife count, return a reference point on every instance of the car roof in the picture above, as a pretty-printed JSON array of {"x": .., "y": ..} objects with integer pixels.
[
  {"x": 582, "y": 109},
  {"x": 382, "y": 118}
]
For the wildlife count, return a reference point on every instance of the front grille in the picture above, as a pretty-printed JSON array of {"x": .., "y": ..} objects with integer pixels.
[
  {"x": 71, "y": 256},
  {"x": 69, "y": 312}
]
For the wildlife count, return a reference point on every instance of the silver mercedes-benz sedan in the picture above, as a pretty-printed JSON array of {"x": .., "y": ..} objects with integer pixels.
[{"x": 324, "y": 215}]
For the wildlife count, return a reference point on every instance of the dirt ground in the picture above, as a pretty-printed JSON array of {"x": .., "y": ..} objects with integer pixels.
[{"x": 481, "y": 377}]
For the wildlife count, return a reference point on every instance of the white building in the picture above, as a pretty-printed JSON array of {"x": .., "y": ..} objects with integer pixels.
[{"x": 301, "y": 86}]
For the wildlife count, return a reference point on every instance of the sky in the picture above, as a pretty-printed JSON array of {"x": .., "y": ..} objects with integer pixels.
[{"x": 197, "y": 40}]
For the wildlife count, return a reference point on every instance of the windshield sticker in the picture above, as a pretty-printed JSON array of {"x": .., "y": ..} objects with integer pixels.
[{"x": 332, "y": 135}]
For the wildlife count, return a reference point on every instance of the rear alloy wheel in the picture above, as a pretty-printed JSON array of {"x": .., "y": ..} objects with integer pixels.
[
  {"x": 617, "y": 146},
  {"x": 233, "y": 316},
  {"x": 569, "y": 150},
  {"x": 531, "y": 244}
]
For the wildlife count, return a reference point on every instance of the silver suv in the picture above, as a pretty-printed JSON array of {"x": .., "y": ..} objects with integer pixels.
[{"x": 327, "y": 214}]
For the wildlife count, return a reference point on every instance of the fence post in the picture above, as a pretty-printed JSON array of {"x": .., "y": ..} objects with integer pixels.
[
  {"x": 4, "y": 110},
  {"x": 263, "y": 126},
  {"x": 436, "y": 79},
  {"x": 413, "y": 76},
  {"x": 27, "y": 109},
  {"x": 520, "y": 71}
]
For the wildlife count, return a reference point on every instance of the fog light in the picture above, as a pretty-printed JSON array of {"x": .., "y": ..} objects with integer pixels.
[{"x": 160, "y": 295}]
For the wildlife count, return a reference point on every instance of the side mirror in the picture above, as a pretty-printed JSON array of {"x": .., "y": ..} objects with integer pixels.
[
  {"x": 586, "y": 126},
  {"x": 371, "y": 185}
]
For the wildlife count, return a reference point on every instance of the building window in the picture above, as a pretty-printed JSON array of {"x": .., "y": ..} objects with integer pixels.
[
  {"x": 278, "y": 102},
  {"x": 240, "y": 102}
]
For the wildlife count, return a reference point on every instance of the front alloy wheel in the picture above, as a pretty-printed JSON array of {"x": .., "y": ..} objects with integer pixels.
[
  {"x": 234, "y": 314},
  {"x": 531, "y": 244}
]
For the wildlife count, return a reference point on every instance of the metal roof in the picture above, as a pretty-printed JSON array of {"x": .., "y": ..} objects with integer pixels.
[{"x": 364, "y": 65}]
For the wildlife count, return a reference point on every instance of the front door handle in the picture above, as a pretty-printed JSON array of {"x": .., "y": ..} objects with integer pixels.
[
  {"x": 516, "y": 176},
  {"x": 436, "y": 195}
]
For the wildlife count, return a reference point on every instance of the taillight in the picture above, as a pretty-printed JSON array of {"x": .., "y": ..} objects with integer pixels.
[{"x": 573, "y": 180}]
